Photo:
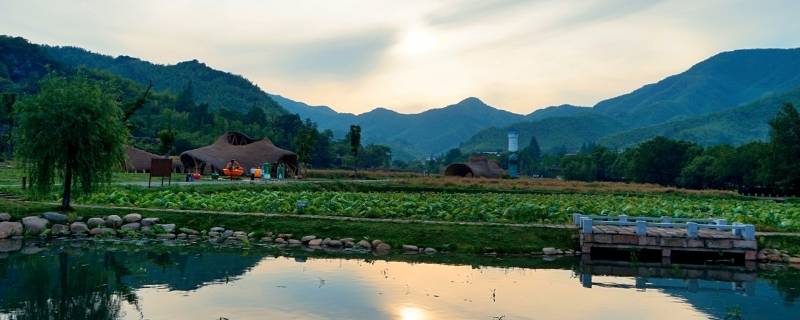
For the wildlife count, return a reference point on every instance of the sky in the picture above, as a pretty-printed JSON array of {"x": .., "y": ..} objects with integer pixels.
[{"x": 413, "y": 55}]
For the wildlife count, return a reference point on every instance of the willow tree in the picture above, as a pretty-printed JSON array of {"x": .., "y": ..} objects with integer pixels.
[{"x": 70, "y": 132}]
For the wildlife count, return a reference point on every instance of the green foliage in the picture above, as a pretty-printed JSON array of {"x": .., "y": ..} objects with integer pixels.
[
  {"x": 785, "y": 142},
  {"x": 70, "y": 128},
  {"x": 479, "y": 207},
  {"x": 660, "y": 160}
]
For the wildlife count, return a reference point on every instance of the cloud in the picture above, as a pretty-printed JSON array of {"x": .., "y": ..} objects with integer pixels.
[{"x": 470, "y": 12}]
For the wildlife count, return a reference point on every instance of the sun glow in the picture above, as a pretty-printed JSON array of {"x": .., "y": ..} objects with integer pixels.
[
  {"x": 418, "y": 41},
  {"x": 411, "y": 313}
]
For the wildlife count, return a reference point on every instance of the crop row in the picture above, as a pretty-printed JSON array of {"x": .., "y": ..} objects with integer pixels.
[{"x": 488, "y": 207}]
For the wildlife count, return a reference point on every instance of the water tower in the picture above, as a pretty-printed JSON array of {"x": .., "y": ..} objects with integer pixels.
[{"x": 513, "y": 157}]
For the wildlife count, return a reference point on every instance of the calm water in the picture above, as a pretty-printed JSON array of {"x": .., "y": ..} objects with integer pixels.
[{"x": 84, "y": 281}]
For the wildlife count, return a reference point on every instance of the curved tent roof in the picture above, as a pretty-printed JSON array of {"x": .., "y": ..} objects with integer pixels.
[
  {"x": 477, "y": 166},
  {"x": 137, "y": 160},
  {"x": 249, "y": 152}
]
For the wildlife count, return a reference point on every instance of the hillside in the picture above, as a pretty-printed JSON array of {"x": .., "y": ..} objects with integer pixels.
[
  {"x": 736, "y": 126},
  {"x": 22, "y": 64},
  {"x": 723, "y": 81},
  {"x": 324, "y": 116},
  {"x": 551, "y": 133},
  {"x": 564, "y": 110},
  {"x": 219, "y": 89}
]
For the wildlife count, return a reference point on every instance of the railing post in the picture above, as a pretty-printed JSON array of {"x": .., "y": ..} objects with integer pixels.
[
  {"x": 691, "y": 229},
  {"x": 576, "y": 218},
  {"x": 737, "y": 230},
  {"x": 641, "y": 228},
  {"x": 623, "y": 218},
  {"x": 749, "y": 232},
  {"x": 586, "y": 225}
]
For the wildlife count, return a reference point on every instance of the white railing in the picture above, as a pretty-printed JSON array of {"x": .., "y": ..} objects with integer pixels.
[{"x": 586, "y": 222}]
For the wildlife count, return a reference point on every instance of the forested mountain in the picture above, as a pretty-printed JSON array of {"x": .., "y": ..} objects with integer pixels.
[
  {"x": 555, "y": 135},
  {"x": 735, "y": 126},
  {"x": 23, "y": 64},
  {"x": 721, "y": 82},
  {"x": 217, "y": 88},
  {"x": 691, "y": 105},
  {"x": 324, "y": 116},
  {"x": 564, "y": 110}
]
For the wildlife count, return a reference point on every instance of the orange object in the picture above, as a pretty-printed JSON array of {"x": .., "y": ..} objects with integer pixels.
[
  {"x": 257, "y": 173},
  {"x": 196, "y": 176},
  {"x": 233, "y": 172}
]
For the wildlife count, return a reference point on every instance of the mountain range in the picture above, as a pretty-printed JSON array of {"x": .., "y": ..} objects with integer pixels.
[{"x": 727, "y": 98}]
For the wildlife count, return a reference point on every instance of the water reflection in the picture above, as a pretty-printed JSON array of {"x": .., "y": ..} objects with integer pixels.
[{"x": 123, "y": 281}]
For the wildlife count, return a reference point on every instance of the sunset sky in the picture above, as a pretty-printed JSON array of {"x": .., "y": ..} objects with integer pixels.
[{"x": 413, "y": 55}]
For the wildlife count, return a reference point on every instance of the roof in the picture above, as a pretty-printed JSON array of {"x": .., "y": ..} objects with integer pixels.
[
  {"x": 476, "y": 166},
  {"x": 249, "y": 152}
]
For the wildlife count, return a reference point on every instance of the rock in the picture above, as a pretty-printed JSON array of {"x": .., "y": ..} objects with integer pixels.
[
  {"x": 78, "y": 227},
  {"x": 227, "y": 234},
  {"x": 239, "y": 233},
  {"x": 113, "y": 221},
  {"x": 132, "y": 217},
  {"x": 408, "y": 247},
  {"x": 166, "y": 236},
  {"x": 102, "y": 231},
  {"x": 59, "y": 230},
  {"x": 149, "y": 221},
  {"x": 5, "y": 217},
  {"x": 308, "y": 238},
  {"x": 168, "y": 228},
  {"x": 217, "y": 229},
  {"x": 134, "y": 226},
  {"x": 31, "y": 250},
  {"x": 285, "y": 235},
  {"x": 95, "y": 222},
  {"x": 7, "y": 245},
  {"x": 364, "y": 244},
  {"x": 794, "y": 260},
  {"x": 376, "y": 242},
  {"x": 429, "y": 251},
  {"x": 347, "y": 244},
  {"x": 294, "y": 242},
  {"x": 334, "y": 243},
  {"x": 241, "y": 237},
  {"x": 55, "y": 217},
  {"x": 383, "y": 247},
  {"x": 280, "y": 241},
  {"x": 10, "y": 229},
  {"x": 189, "y": 231},
  {"x": 34, "y": 225},
  {"x": 325, "y": 241},
  {"x": 266, "y": 240},
  {"x": 551, "y": 251},
  {"x": 347, "y": 240},
  {"x": 315, "y": 242},
  {"x": 214, "y": 234},
  {"x": 182, "y": 236},
  {"x": 145, "y": 228}
]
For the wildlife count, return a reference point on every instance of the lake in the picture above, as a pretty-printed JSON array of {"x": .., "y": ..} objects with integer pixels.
[{"x": 80, "y": 280}]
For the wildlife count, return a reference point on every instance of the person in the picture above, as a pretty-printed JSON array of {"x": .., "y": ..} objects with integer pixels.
[{"x": 233, "y": 165}]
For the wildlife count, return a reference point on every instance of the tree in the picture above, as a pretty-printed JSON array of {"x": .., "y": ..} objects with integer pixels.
[
  {"x": 660, "y": 160},
  {"x": 305, "y": 141},
  {"x": 785, "y": 142},
  {"x": 185, "y": 100},
  {"x": 71, "y": 131},
  {"x": 355, "y": 143},
  {"x": 7, "y": 101},
  {"x": 453, "y": 155},
  {"x": 167, "y": 138}
]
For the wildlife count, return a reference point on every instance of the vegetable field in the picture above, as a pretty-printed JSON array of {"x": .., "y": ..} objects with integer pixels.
[{"x": 475, "y": 207}]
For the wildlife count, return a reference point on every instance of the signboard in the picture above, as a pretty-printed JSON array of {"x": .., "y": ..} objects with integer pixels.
[{"x": 160, "y": 168}]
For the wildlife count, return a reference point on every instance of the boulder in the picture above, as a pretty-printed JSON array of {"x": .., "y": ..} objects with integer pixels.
[
  {"x": 334, "y": 243},
  {"x": 78, "y": 227},
  {"x": 794, "y": 260},
  {"x": 8, "y": 245},
  {"x": 280, "y": 241},
  {"x": 551, "y": 251},
  {"x": 135, "y": 226},
  {"x": 189, "y": 231},
  {"x": 241, "y": 237},
  {"x": 102, "y": 231},
  {"x": 325, "y": 241},
  {"x": 430, "y": 250},
  {"x": 315, "y": 242},
  {"x": 266, "y": 240},
  {"x": 376, "y": 242},
  {"x": 285, "y": 235},
  {"x": 308, "y": 238},
  {"x": 213, "y": 234},
  {"x": 10, "y": 229},
  {"x": 55, "y": 217},
  {"x": 227, "y": 234},
  {"x": 294, "y": 242},
  {"x": 132, "y": 217},
  {"x": 168, "y": 228},
  {"x": 113, "y": 221},
  {"x": 217, "y": 229},
  {"x": 383, "y": 247},
  {"x": 150, "y": 221},
  {"x": 31, "y": 250},
  {"x": 364, "y": 244},
  {"x": 34, "y": 225},
  {"x": 95, "y": 222},
  {"x": 408, "y": 247},
  {"x": 166, "y": 236},
  {"x": 5, "y": 217},
  {"x": 59, "y": 230}
]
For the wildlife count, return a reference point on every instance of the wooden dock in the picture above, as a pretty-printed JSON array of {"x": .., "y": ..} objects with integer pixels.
[{"x": 666, "y": 234}]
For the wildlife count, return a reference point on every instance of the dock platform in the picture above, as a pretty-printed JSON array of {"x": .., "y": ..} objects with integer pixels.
[{"x": 666, "y": 235}]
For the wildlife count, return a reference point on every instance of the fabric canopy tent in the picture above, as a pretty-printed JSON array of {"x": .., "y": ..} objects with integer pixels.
[
  {"x": 138, "y": 160},
  {"x": 476, "y": 166},
  {"x": 249, "y": 152}
]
